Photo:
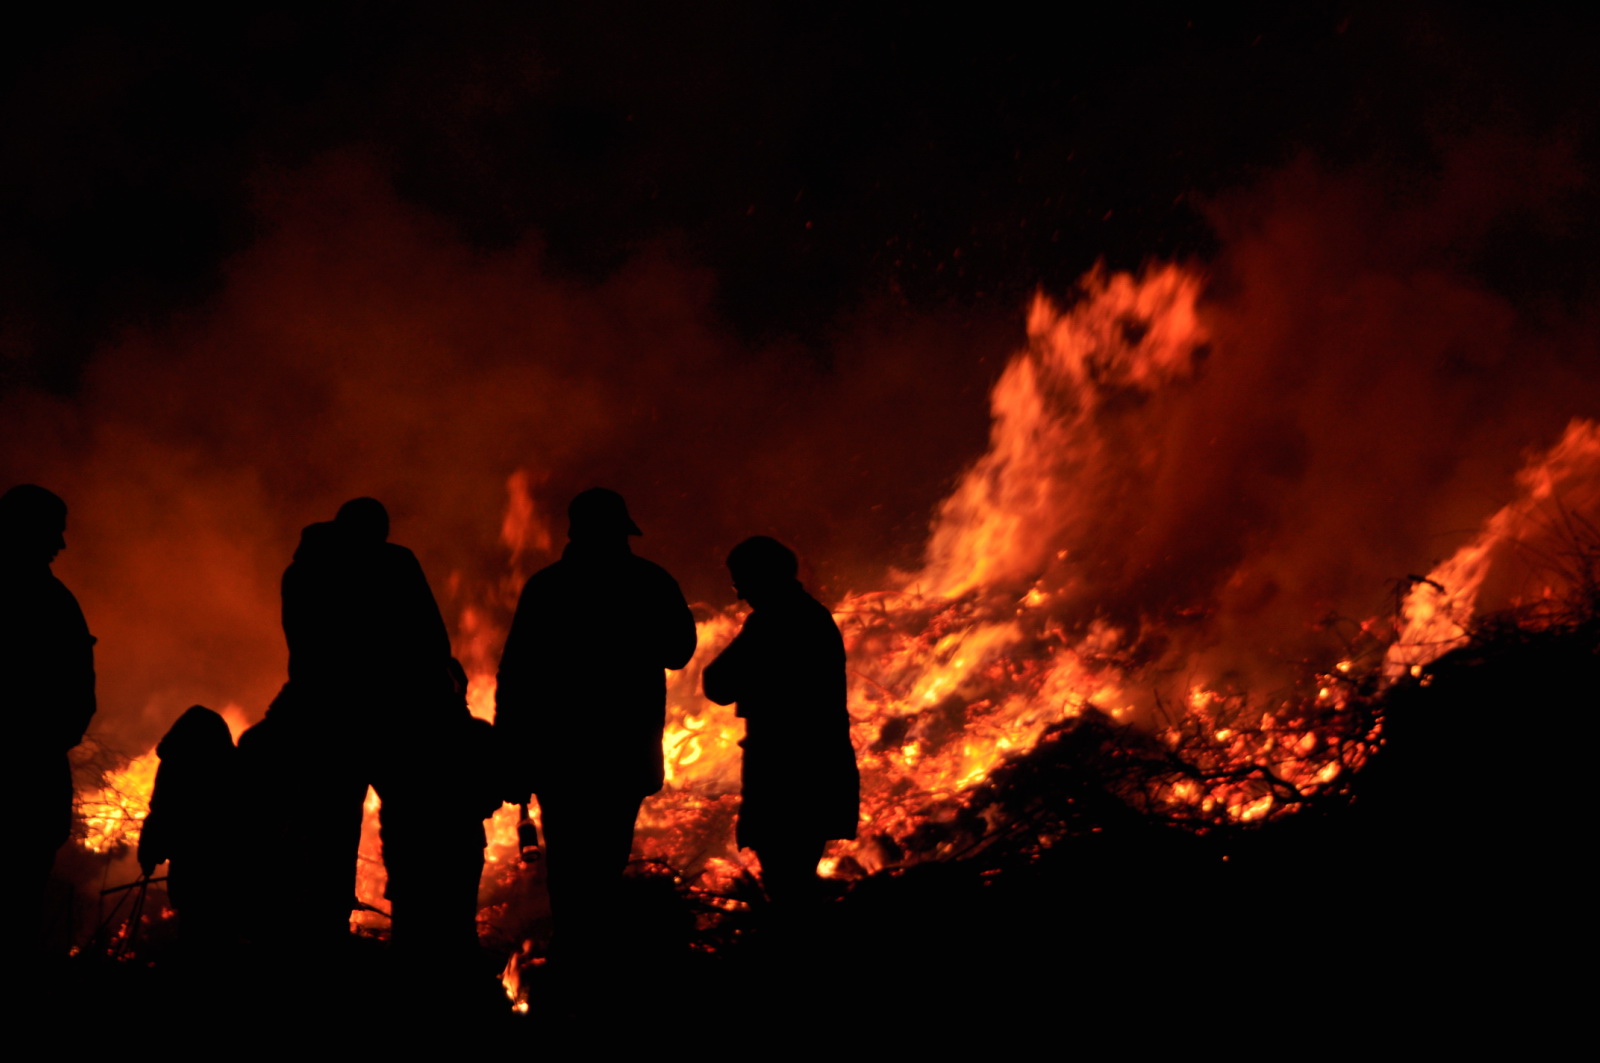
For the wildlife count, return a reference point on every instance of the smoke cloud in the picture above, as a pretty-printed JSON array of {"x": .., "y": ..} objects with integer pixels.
[
  {"x": 1235, "y": 482},
  {"x": 1361, "y": 403},
  {"x": 359, "y": 347}
]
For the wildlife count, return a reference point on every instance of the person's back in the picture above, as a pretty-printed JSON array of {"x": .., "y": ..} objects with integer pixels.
[
  {"x": 192, "y": 823},
  {"x": 592, "y": 637},
  {"x": 581, "y": 702},
  {"x": 46, "y": 659},
  {"x": 435, "y": 796},
  {"x": 359, "y": 617},
  {"x": 370, "y": 684}
]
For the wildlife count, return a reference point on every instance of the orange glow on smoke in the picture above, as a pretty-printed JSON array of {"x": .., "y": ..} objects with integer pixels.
[
  {"x": 965, "y": 663},
  {"x": 1555, "y": 490}
]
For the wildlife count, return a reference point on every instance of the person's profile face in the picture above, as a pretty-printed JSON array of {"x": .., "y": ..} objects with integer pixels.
[{"x": 41, "y": 541}]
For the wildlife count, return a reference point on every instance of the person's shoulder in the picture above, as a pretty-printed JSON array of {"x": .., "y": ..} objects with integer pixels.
[
  {"x": 808, "y": 605},
  {"x": 558, "y": 569},
  {"x": 316, "y": 542},
  {"x": 644, "y": 570},
  {"x": 645, "y": 565},
  {"x": 399, "y": 557},
  {"x": 49, "y": 586},
  {"x": 56, "y": 602},
  {"x": 551, "y": 579},
  {"x": 816, "y": 615}
]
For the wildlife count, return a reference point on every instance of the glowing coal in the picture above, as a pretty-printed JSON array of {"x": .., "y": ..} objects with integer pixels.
[
  {"x": 970, "y": 660},
  {"x": 1196, "y": 485}
]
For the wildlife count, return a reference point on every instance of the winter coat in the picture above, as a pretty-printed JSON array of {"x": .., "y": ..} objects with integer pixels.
[
  {"x": 785, "y": 669},
  {"x": 363, "y": 629},
  {"x": 195, "y": 812},
  {"x": 46, "y": 695},
  {"x": 581, "y": 695}
]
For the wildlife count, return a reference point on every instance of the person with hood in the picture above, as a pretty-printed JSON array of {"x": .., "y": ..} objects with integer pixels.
[
  {"x": 194, "y": 825},
  {"x": 786, "y": 671},
  {"x": 436, "y": 793},
  {"x": 581, "y": 705},
  {"x": 46, "y": 676}
]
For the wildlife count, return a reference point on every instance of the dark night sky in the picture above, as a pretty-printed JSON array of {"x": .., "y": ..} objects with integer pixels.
[
  {"x": 757, "y": 267},
  {"x": 814, "y": 163}
]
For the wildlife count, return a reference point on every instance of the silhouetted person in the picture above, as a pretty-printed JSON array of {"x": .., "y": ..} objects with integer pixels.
[
  {"x": 312, "y": 774},
  {"x": 786, "y": 671},
  {"x": 582, "y": 700},
  {"x": 370, "y": 688},
  {"x": 436, "y": 795},
  {"x": 193, "y": 825},
  {"x": 360, "y": 618},
  {"x": 46, "y": 679}
]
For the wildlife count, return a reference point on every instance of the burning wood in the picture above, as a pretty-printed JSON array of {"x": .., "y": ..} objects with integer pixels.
[{"x": 1009, "y": 647}]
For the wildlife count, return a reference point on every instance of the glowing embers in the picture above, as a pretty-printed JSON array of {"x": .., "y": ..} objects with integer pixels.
[
  {"x": 1019, "y": 633},
  {"x": 958, "y": 666},
  {"x": 1232, "y": 763}
]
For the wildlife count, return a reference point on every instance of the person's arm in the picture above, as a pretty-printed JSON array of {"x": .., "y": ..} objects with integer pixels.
[
  {"x": 521, "y": 752},
  {"x": 152, "y": 833},
  {"x": 513, "y": 692},
  {"x": 302, "y": 624},
  {"x": 433, "y": 635},
  {"x": 73, "y": 668},
  {"x": 80, "y": 701},
  {"x": 676, "y": 625},
  {"x": 743, "y": 666},
  {"x": 723, "y": 680}
]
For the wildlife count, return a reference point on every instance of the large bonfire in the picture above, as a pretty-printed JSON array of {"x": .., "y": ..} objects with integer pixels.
[{"x": 1002, "y": 636}]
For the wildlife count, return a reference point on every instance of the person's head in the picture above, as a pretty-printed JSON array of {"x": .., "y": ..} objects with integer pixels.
[
  {"x": 198, "y": 734},
  {"x": 363, "y": 520},
  {"x": 760, "y": 566},
  {"x": 599, "y": 514},
  {"x": 33, "y": 524}
]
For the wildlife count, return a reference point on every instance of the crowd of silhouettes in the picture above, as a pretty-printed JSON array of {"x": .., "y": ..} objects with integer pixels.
[{"x": 374, "y": 698}]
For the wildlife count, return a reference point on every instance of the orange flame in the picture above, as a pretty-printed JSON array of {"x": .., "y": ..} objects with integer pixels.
[
  {"x": 113, "y": 814},
  {"x": 1438, "y": 609},
  {"x": 966, "y": 663}
]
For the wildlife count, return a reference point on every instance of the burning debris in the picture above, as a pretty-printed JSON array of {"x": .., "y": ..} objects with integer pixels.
[{"x": 1011, "y": 694}]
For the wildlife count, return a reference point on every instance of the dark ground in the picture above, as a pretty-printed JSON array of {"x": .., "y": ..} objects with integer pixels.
[
  {"x": 818, "y": 165},
  {"x": 1441, "y": 907}
]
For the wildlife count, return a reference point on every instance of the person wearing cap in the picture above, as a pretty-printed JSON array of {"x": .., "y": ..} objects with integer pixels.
[
  {"x": 46, "y": 676},
  {"x": 581, "y": 703}
]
